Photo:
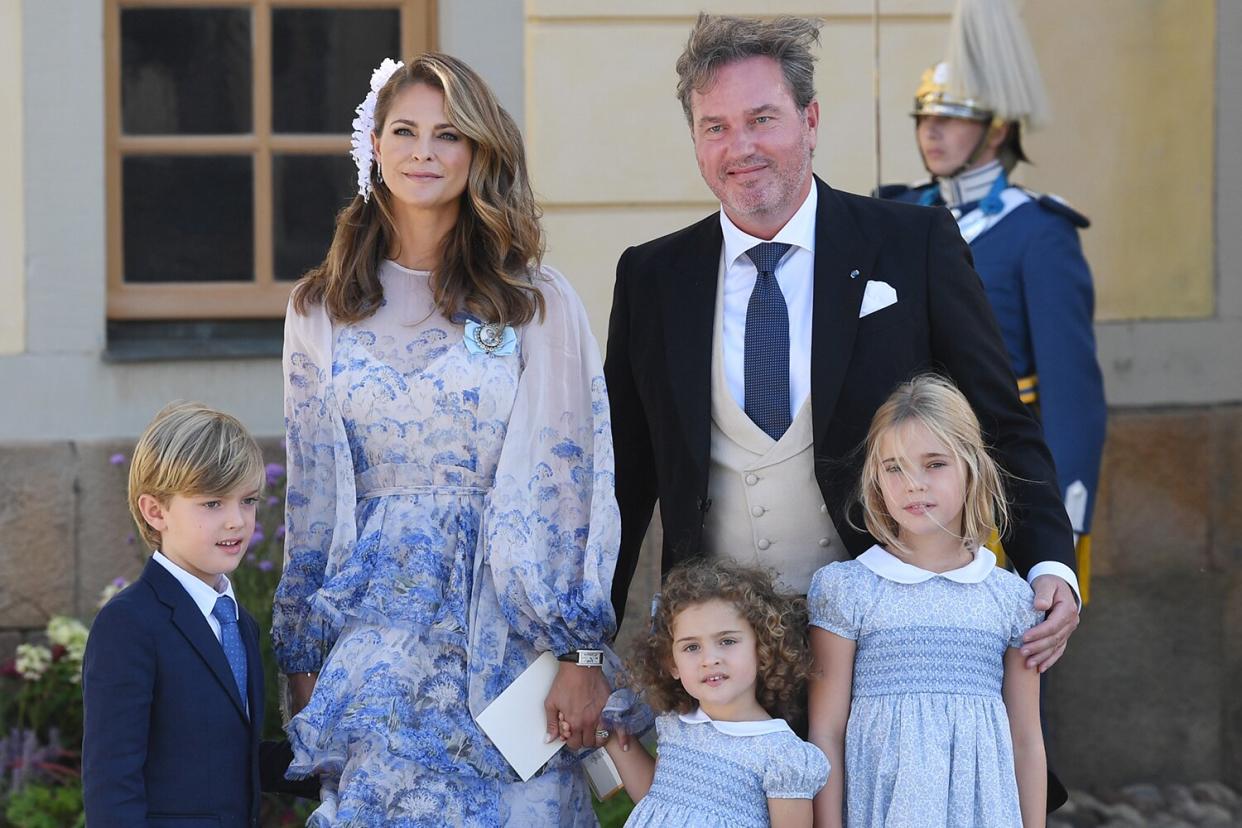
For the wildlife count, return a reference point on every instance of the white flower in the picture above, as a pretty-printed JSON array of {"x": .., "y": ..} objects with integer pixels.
[
  {"x": 69, "y": 633},
  {"x": 32, "y": 661},
  {"x": 110, "y": 591},
  {"x": 364, "y": 125}
]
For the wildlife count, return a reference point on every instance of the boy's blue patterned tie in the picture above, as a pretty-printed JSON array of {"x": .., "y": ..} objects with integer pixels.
[
  {"x": 225, "y": 612},
  {"x": 766, "y": 355}
]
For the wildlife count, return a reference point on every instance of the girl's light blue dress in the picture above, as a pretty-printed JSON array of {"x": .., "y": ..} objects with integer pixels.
[
  {"x": 450, "y": 517},
  {"x": 928, "y": 740},
  {"x": 722, "y": 774}
]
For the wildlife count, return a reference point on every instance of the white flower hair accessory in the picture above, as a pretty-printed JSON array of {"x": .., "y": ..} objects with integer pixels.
[{"x": 364, "y": 126}]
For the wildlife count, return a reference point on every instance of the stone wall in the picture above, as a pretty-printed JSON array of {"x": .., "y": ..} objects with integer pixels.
[{"x": 1148, "y": 689}]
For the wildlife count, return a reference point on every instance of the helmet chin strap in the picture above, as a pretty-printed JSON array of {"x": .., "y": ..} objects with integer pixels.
[{"x": 994, "y": 126}]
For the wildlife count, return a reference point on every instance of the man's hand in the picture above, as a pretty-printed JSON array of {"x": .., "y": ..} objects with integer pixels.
[
  {"x": 574, "y": 703},
  {"x": 1043, "y": 645}
]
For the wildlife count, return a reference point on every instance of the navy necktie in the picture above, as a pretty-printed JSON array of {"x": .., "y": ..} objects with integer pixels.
[
  {"x": 225, "y": 611},
  {"x": 766, "y": 358}
]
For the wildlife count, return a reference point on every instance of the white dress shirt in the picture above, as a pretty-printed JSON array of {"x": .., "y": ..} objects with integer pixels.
[
  {"x": 796, "y": 276},
  {"x": 204, "y": 597}
]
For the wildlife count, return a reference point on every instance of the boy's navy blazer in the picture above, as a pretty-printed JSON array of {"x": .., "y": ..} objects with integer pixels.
[{"x": 167, "y": 738}]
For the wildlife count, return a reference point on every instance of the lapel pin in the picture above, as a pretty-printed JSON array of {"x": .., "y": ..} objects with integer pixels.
[{"x": 853, "y": 274}]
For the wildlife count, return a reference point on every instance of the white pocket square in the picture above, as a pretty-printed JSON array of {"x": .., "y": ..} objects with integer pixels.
[{"x": 879, "y": 295}]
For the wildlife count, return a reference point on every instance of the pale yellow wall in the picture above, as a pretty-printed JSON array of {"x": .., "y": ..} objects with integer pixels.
[
  {"x": 12, "y": 228},
  {"x": 1132, "y": 144},
  {"x": 612, "y": 161}
]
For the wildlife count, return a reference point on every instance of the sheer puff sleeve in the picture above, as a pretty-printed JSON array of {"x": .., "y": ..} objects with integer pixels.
[
  {"x": 552, "y": 528},
  {"x": 320, "y": 499},
  {"x": 834, "y": 600}
]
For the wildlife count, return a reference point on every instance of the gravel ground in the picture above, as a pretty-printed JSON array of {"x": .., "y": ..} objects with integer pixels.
[{"x": 1200, "y": 805}]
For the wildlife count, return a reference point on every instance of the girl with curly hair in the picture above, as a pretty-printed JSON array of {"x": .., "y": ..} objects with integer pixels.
[
  {"x": 725, "y": 664},
  {"x": 924, "y": 700}
]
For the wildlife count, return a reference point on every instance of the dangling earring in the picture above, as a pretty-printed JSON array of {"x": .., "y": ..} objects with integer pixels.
[{"x": 379, "y": 172}]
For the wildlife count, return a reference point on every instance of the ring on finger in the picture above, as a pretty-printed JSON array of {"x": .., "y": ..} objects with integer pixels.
[{"x": 602, "y": 734}]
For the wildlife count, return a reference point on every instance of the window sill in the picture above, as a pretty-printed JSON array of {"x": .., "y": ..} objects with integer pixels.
[{"x": 134, "y": 341}]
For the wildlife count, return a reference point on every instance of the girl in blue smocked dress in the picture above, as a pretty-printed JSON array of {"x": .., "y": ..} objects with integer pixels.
[
  {"x": 922, "y": 692},
  {"x": 725, "y": 656},
  {"x": 450, "y": 507}
]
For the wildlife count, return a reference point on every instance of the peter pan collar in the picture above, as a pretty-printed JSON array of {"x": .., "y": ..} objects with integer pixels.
[
  {"x": 887, "y": 565},
  {"x": 736, "y": 728}
]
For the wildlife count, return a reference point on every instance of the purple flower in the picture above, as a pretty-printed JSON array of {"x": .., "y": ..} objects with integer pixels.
[
  {"x": 274, "y": 472},
  {"x": 280, "y": 531},
  {"x": 117, "y": 459},
  {"x": 266, "y": 566},
  {"x": 258, "y": 537},
  {"x": 272, "y": 500}
]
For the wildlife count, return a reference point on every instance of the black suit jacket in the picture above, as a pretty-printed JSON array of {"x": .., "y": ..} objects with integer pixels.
[
  {"x": 659, "y": 357},
  {"x": 167, "y": 740}
]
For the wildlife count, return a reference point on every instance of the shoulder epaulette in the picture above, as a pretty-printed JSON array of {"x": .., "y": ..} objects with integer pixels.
[
  {"x": 890, "y": 190},
  {"x": 1058, "y": 205},
  {"x": 895, "y": 190}
]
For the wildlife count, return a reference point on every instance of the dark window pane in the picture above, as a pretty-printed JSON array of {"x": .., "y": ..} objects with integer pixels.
[
  {"x": 322, "y": 61},
  {"x": 185, "y": 71},
  {"x": 310, "y": 191},
  {"x": 188, "y": 218}
]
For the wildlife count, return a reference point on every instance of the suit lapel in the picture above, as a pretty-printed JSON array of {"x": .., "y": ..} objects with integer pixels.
[
  {"x": 187, "y": 618},
  {"x": 689, "y": 302},
  {"x": 254, "y": 673},
  {"x": 842, "y": 247}
]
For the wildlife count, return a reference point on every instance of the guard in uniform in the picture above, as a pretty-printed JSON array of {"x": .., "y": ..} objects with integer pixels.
[{"x": 1025, "y": 246}]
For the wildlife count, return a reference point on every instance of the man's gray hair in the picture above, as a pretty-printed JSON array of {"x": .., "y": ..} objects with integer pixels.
[{"x": 717, "y": 40}]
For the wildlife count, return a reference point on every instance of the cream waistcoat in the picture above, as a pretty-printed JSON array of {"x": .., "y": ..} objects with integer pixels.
[{"x": 766, "y": 506}]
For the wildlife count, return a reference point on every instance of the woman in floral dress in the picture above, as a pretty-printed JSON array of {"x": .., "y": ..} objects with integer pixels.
[{"x": 450, "y": 507}]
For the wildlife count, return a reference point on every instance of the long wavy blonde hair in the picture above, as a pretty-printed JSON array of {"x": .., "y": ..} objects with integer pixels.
[
  {"x": 935, "y": 402},
  {"x": 497, "y": 243}
]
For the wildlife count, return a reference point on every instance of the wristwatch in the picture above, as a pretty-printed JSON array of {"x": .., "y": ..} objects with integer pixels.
[{"x": 583, "y": 658}]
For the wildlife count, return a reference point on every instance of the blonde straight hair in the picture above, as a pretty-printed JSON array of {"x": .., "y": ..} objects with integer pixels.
[
  {"x": 490, "y": 254},
  {"x": 935, "y": 402},
  {"x": 190, "y": 449}
]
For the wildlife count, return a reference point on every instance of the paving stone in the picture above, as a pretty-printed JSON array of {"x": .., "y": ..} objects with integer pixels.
[{"x": 37, "y": 543}]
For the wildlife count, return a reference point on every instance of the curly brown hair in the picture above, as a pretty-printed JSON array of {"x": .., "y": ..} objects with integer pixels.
[{"x": 779, "y": 622}]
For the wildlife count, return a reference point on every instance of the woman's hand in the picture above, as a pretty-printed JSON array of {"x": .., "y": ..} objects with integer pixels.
[
  {"x": 301, "y": 685},
  {"x": 574, "y": 703}
]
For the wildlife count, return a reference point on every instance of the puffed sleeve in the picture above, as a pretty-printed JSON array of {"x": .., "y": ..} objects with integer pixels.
[
  {"x": 552, "y": 528},
  {"x": 835, "y": 599},
  {"x": 1022, "y": 615},
  {"x": 796, "y": 771},
  {"x": 320, "y": 500}
]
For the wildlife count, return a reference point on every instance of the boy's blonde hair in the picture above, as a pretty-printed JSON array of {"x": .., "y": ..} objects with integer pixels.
[
  {"x": 935, "y": 402},
  {"x": 190, "y": 449}
]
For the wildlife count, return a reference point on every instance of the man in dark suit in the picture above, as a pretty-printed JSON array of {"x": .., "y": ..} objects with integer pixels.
[
  {"x": 172, "y": 679},
  {"x": 802, "y": 307}
]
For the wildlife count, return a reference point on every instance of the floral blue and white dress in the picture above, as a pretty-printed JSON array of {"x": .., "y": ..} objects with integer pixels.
[
  {"x": 928, "y": 742},
  {"x": 450, "y": 517},
  {"x": 722, "y": 774}
]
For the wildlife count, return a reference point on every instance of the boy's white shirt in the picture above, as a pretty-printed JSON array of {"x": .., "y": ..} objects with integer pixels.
[{"x": 204, "y": 597}]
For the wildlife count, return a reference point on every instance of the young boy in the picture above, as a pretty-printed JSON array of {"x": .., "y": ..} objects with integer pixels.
[{"x": 172, "y": 681}]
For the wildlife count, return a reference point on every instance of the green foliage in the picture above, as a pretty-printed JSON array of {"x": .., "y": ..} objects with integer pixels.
[
  {"x": 46, "y": 806},
  {"x": 613, "y": 812}
]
